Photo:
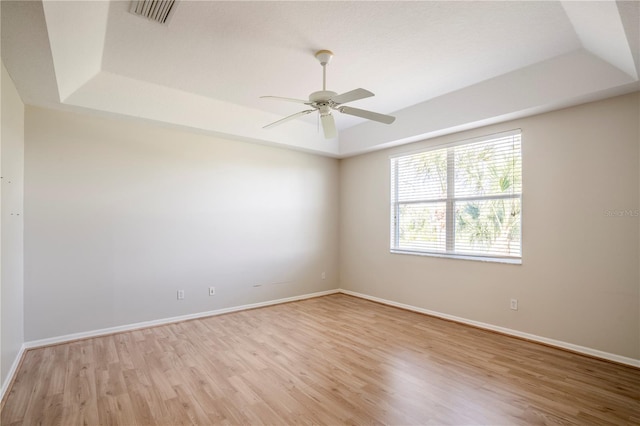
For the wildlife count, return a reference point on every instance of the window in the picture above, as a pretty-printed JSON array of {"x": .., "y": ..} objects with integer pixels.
[{"x": 463, "y": 200}]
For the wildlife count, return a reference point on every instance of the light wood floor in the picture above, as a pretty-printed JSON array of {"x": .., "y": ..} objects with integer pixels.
[{"x": 330, "y": 360}]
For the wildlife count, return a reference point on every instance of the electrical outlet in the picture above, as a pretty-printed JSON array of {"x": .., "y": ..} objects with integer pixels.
[
  {"x": 180, "y": 294},
  {"x": 514, "y": 304},
  {"x": 323, "y": 276},
  {"x": 212, "y": 291}
]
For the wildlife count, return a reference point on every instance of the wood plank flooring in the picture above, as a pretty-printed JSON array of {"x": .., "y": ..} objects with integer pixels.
[{"x": 331, "y": 360}]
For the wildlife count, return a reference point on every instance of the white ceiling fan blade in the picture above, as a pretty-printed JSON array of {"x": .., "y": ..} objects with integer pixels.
[
  {"x": 291, "y": 117},
  {"x": 370, "y": 115},
  {"x": 279, "y": 98},
  {"x": 328, "y": 126},
  {"x": 351, "y": 96}
]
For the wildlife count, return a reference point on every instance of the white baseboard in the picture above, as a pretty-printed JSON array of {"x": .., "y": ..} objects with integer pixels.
[
  {"x": 551, "y": 342},
  {"x": 111, "y": 330},
  {"x": 136, "y": 326},
  {"x": 12, "y": 371}
]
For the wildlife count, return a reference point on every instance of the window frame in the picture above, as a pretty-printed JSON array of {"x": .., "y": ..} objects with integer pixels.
[{"x": 450, "y": 201}]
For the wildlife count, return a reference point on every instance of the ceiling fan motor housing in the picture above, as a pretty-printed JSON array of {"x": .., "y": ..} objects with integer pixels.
[
  {"x": 321, "y": 96},
  {"x": 321, "y": 100}
]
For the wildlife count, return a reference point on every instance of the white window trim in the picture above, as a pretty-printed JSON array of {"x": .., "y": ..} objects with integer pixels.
[{"x": 450, "y": 234}]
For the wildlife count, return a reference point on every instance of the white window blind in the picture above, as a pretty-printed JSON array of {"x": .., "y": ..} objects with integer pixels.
[{"x": 462, "y": 200}]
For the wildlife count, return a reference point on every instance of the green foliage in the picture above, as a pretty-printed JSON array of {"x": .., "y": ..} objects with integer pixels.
[
  {"x": 422, "y": 225},
  {"x": 505, "y": 183},
  {"x": 433, "y": 168},
  {"x": 490, "y": 226},
  {"x": 473, "y": 211}
]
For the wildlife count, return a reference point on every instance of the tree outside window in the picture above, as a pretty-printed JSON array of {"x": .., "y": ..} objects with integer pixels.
[{"x": 461, "y": 200}]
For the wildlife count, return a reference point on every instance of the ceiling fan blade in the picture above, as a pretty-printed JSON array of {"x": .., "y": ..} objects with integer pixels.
[
  {"x": 291, "y": 117},
  {"x": 353, "y": 95},
  {"x": 328, "y": 126},
  {"x": 279, "y": 98},
  {"x": 370, "y": 115}
]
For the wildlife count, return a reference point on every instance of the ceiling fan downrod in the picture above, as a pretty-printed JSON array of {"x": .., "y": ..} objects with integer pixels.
[{"x": 324, "y": 56}]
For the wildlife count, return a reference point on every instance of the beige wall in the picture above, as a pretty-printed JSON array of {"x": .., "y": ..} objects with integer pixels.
[
  {"x": 579, "y": 279},
  {"x": 12, "y": 190},
  {"x": 122, "y": 214}
]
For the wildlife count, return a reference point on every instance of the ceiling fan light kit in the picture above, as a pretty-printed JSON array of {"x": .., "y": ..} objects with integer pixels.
[{"x": 325, "y": 100}]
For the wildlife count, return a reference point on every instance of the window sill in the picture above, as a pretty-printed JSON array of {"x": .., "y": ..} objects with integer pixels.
[{"x": 507, "y": 260}]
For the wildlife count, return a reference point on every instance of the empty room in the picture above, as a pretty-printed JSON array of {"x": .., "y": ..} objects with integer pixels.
[{"x": 320, "y": 212}]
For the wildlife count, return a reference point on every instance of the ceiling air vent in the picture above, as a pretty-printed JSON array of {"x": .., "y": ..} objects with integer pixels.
[{"x": 154, "y": 10}]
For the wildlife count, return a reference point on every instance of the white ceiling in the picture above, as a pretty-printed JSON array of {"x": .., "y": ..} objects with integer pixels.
[{"x": 439, "y": 66}]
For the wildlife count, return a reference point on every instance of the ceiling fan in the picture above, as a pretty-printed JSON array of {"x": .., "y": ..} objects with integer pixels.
[{"x": 325, "y": 100}]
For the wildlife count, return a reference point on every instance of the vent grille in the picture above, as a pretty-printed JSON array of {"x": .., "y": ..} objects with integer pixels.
[{"x": 154, "y": 10}]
